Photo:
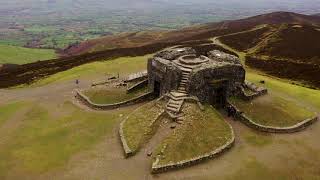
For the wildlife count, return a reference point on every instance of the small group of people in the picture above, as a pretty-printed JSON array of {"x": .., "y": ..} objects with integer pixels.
[{"x": 231, "y": 111}]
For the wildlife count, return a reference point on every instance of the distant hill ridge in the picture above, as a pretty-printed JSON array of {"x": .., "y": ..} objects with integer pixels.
[
  {"x": 261, "y": 28},
  {"x": 196, "y": 32},
  {"x": 285, "y": 50}
]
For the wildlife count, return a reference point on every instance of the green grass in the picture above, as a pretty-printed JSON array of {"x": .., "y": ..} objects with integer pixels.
[
  {"x": 112, "y": 95},
  {"x": 21, "y": 55},
  {"x": 253, "y": 169},
  {"x": 272, "y": 110},
  {"x": 201, "y": 132},
  {"x": 45, "y": 140},
  {"x": 284, "y": 87},
  {"x": 8, "y": 110},
  {"x": 258, "y": 139},
  {"x": 124, "y": 66},
  {"x": 139, "y": 128}
]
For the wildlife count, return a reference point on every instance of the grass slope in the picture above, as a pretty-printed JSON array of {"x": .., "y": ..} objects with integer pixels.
[
  {"x": 47, "y": 140},
  {"x": 112, "y": 95},
  {"x": 271, "y": 110},
  {"x": 124, "y": 66},
  {"x": 8, "y": 110},
  {"x": 286, "y": 89},
  {"x": 201, "y": 132},
  {"x": 21, "y": 55},
  {"x": 138, "y": 128}
]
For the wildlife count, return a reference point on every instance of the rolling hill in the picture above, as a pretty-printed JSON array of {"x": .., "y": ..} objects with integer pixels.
[
  {"x": 255, "y": 34},
  {"x": 285, "y": 50},
  {"x": 199, "y": 32}
]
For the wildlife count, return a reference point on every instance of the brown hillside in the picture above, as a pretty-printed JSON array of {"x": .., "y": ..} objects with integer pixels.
[
  {"x": 245, "y": 40},
  {"x": 293, "y": 41},
  {"x": 205, "y": 31},
  {"x": 292, "y": 52},
  {"x": 307, "y": 73}
]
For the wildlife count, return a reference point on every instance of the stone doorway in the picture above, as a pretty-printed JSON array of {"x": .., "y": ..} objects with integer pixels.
[
  {"x": 219, "y": 93},
  {"x": 219, "y": 97},
  {"x": 156, "y": 88}
]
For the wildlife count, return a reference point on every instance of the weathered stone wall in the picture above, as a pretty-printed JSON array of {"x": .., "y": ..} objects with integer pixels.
[
  {"x": 86, "y": 101},
  {"x": 171, "y": 54},
  {"x": 165, "y": 73},
  {"x": 138, "y": 85},
  {"x": 136, "y": 77},
  {"x": 258, "y": 91},
  {"x": 272, "y": 129},
  {"x": 127, "y": 151},
  {"x": 202, "y": 78}
]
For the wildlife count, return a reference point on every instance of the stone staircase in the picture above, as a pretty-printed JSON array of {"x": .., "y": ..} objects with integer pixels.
[{"x": 177, "y": 97}]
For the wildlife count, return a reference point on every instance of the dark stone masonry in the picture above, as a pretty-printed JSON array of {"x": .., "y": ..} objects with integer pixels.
[{"x": 211, "y": 77}]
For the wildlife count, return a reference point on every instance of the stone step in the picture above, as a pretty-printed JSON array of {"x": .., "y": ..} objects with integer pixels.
[
  {"x": 177, "y": 94},
  {"x": 182, "y": 91},
  {"x": 185, "y": 70},
  {"x": 173, "y": 106},
  {"x": 172, "y": 109},
  {"x": 174, "y": 102},
  {"x": 184, "y": 80}
]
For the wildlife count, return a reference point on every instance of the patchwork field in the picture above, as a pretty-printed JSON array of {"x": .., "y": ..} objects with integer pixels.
[{"x": 21, "y": 55}]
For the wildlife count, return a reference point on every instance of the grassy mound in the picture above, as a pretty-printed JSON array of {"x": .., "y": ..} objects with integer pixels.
[
  {"x": 201, "y": 132},
  {"x": 112, "y": 95},
  {"x": 272, "y": 110},
  {"x": 139, "y": 126},
  {"x": 21, "y": 55}
]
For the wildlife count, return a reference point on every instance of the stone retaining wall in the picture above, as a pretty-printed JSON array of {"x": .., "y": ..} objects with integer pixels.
[
  {"x": 139, "y": 76},
  {"x": 272, "y": 129},
  {"x": 196, "y": 160},
  {"x": 85, "y": 100},
  {"x": 138, "y": 85},
  {"x": 127, "y": 151}
]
